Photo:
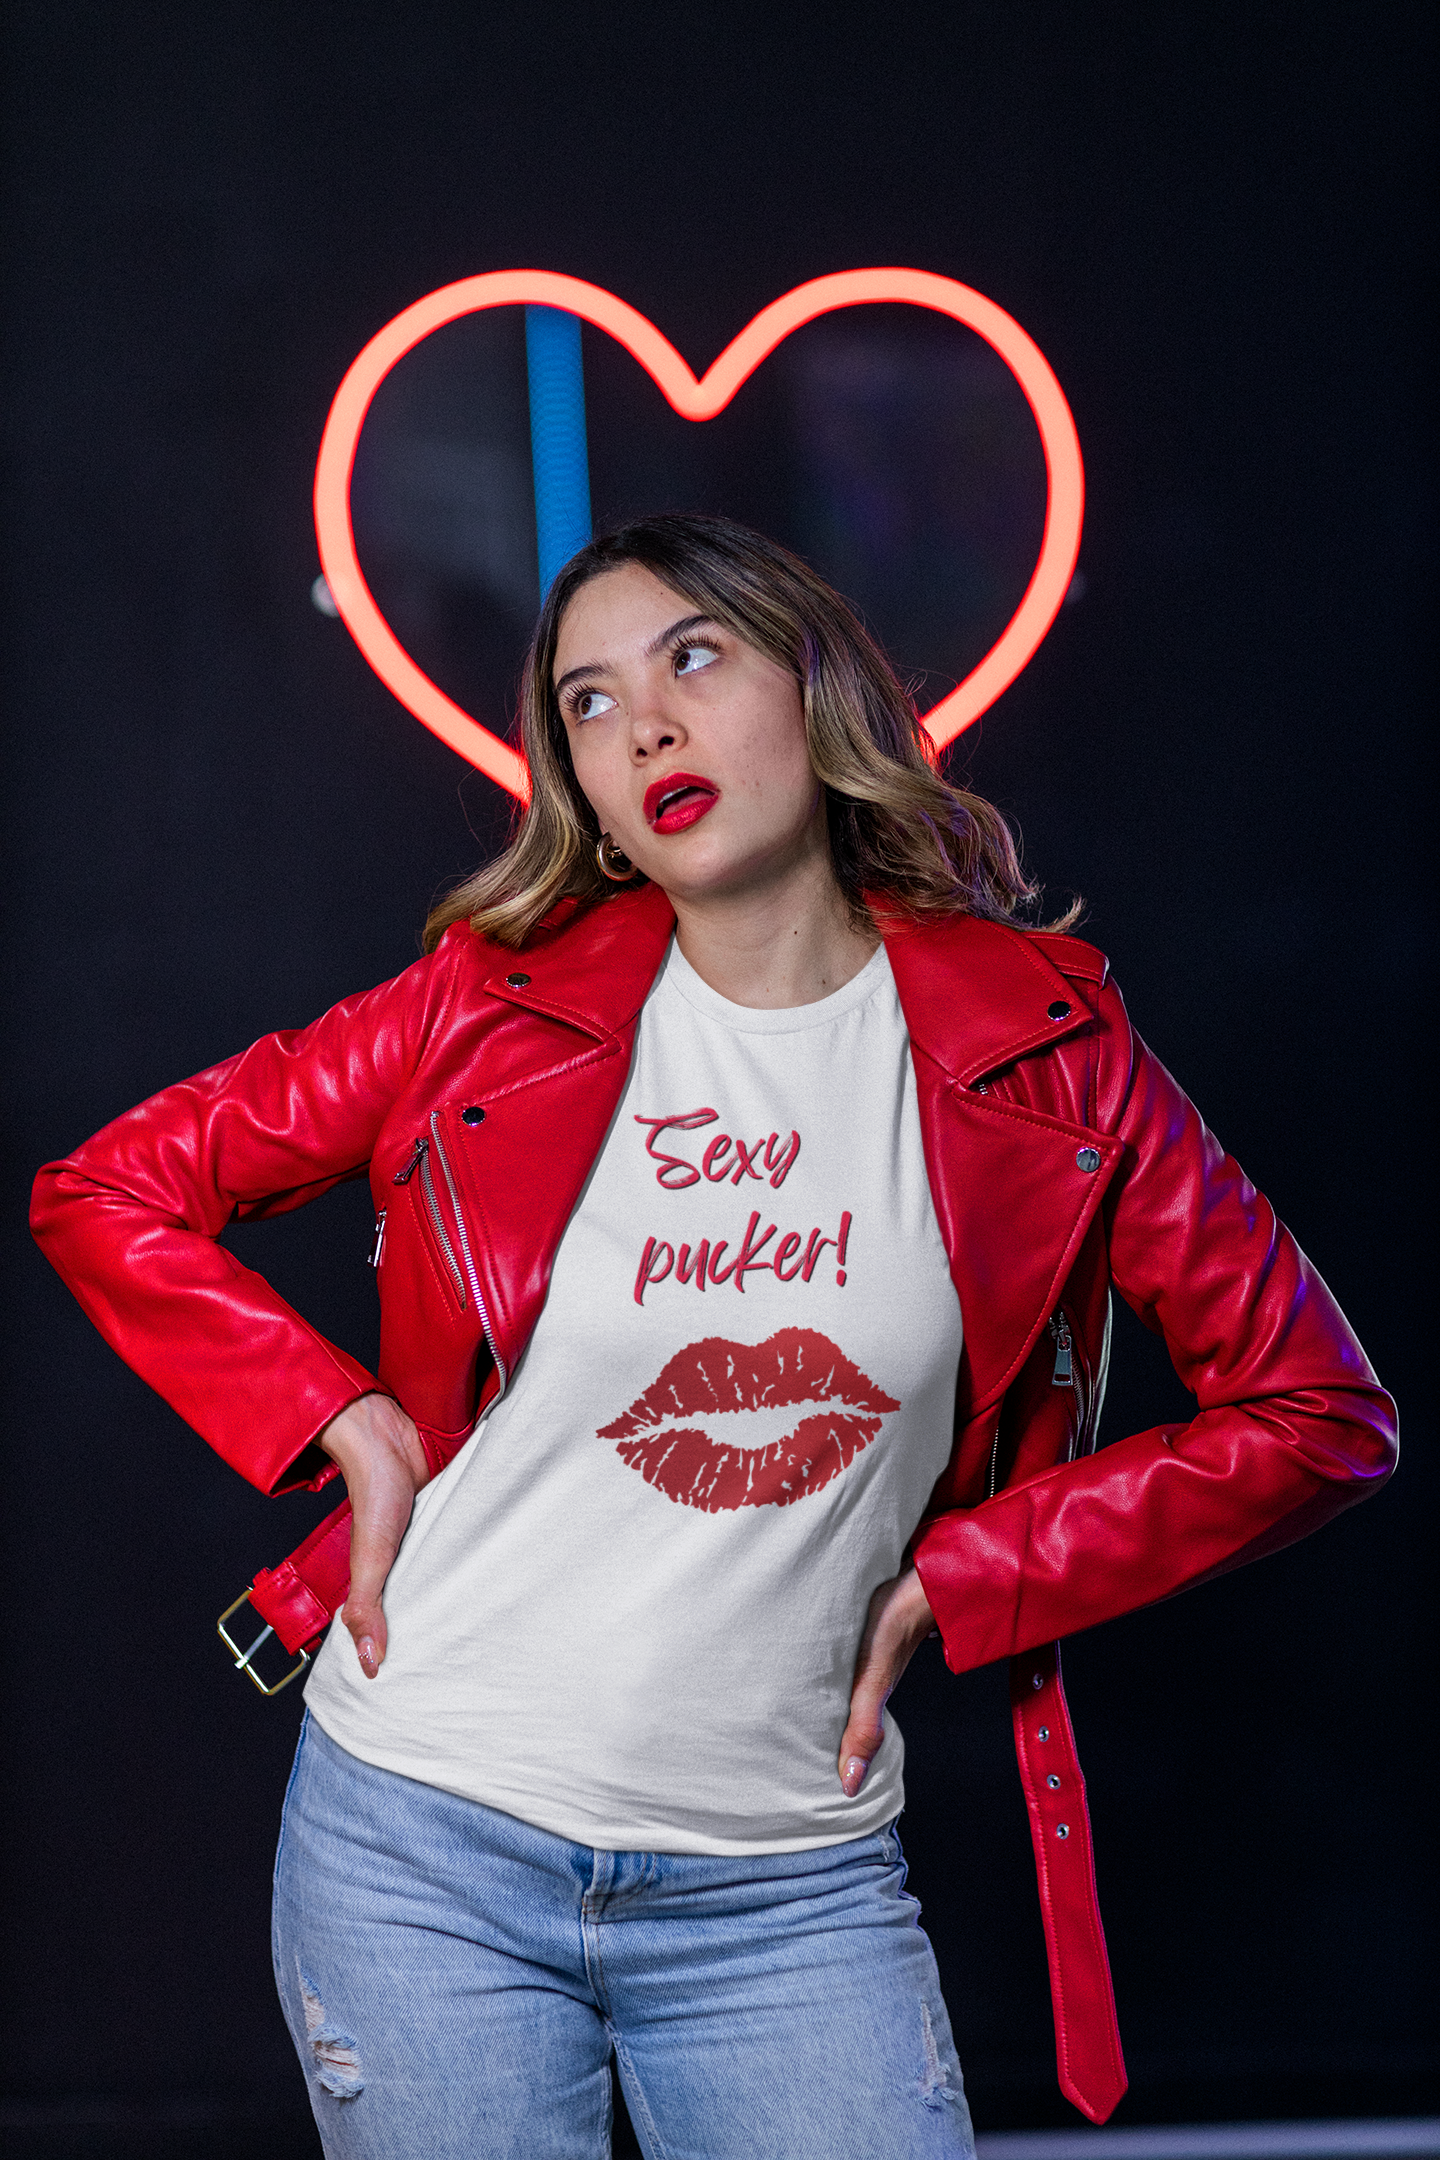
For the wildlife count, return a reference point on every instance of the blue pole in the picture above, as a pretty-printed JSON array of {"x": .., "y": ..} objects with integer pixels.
[{"x": 558, "y": 453}]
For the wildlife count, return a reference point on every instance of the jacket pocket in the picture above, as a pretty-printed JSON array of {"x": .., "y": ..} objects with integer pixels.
[
  {"x": 1070, "y": 1369},
  {"x": 419, "y": 1175},
  {"x": 1089, "y": 1365}
]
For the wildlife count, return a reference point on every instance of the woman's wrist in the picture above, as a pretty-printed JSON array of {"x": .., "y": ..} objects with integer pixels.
[{"x": 373, "y": 1424}]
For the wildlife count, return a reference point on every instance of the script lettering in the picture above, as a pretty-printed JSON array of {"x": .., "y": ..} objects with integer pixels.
[
  {"x": 795, "y": 1257},
  {"x": 724, "y": 1157}
]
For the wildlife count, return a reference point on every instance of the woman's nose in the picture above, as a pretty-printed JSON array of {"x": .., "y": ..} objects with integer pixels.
[{"x": 653, "y": 729}]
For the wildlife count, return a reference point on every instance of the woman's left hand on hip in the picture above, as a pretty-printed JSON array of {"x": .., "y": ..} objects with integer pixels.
[{"x": 897, "y": 1623}]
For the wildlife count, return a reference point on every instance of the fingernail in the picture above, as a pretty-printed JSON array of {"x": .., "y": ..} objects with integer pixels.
[
  {"x": 368, "y": 1658},
  {"x": 854, "y": 1775}
]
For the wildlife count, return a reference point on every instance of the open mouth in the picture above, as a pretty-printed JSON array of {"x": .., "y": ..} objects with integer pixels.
[
  {"x": 796, "y": 1370},
  {"x": 678, "y": 800}
]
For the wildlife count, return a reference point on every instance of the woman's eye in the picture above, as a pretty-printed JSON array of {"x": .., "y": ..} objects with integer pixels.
[
  {"x": 589, "y": 704},
  {"x": 691, "y": 658}
]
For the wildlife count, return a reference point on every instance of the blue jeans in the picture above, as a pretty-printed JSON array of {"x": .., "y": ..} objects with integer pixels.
[{"x": 454, "y": 1982}]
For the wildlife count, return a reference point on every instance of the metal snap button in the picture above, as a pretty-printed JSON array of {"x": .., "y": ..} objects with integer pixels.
[
  {"x": 517, "y": 982},
  {"x": 1053, "y": 1782},
  {"x": 1062, "y": 1829},
  {"x": 1087, "y": 1158},
  {"x": 1044, "y": 1733},
  {"x": 472, "y": 1115},
  {"x": 1059, "y": 1010},
  {"x": 1037, "y": 1680}
]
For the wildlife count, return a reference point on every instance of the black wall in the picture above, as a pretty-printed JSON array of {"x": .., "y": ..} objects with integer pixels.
[{"x": 1214, "y": 222}]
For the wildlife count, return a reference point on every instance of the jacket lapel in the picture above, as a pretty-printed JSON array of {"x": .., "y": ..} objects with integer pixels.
[
  {"x": 1012, "y": 1194},
  {"x": 549, "y": 1092},
  {"x": 592, "y": 972}
]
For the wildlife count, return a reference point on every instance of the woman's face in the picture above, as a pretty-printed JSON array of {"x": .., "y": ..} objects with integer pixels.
[{"x": 689, "y": 744}]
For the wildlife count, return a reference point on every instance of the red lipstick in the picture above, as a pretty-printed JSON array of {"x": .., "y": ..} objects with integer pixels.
[
  {"x": 678, "y": 800},
  {"x": 840, "y": 1413}
]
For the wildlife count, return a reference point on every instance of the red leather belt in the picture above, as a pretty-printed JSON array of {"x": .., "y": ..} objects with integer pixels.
[
  {"x": 298, "y": 1599},
  {"x": 1087, "y": 2034}
]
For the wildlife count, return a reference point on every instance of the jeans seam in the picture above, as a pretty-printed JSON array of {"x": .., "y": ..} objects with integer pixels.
[
  {"x": 655, "y": 2146},
  {"x": 590, "y": 1913},
  {"x": 285, "y": 1803},
  {"x": 275, "y": 1959}
]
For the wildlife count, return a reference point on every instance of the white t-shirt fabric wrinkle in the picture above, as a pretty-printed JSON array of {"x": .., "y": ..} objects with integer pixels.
[{"x": 629, "y": 1611}]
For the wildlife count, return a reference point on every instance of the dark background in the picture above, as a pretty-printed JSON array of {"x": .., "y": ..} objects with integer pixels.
[{"x": 1214, "y": 221}]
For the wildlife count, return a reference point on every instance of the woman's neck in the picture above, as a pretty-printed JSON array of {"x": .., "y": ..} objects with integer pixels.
[{"x": 789, "y": 945}]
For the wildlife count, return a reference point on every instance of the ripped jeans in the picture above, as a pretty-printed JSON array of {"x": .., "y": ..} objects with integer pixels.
[{"x": 455, "y": 1982}]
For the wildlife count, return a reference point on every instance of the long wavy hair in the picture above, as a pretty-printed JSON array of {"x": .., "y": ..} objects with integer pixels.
[{"x": 905, "y": 843}]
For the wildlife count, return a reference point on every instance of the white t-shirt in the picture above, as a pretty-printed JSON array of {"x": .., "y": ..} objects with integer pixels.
[{"x": 628, "y": 1612}]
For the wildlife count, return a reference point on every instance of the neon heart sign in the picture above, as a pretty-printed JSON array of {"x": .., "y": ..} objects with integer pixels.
[{"x": 702, "y": 400}]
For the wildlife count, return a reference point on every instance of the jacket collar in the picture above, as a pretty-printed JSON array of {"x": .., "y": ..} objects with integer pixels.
[
  {"x": 594, "y": 969},
  {"x": 976, "y": 995}
]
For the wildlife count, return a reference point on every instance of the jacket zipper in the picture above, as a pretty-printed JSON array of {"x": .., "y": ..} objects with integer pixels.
[
  {"x": 465, "y": 1249},
  {"x": 1072, "y": 1371},
  {"x": 377, "y": 1249},
  {"x": 420, "y": 1160},
  {"x": 1063, "y": 1375}
]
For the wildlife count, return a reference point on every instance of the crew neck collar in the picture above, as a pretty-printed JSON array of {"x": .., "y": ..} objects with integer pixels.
[{"x": 680, "y": 976}]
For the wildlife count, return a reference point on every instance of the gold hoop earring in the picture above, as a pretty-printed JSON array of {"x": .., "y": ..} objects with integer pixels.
[{"x": 609, "y": 857}]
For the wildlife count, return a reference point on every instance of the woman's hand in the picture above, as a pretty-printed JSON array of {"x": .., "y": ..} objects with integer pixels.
[
  {"x": 897, "y": 1623},
  {"x": 383, "y": 1464}
]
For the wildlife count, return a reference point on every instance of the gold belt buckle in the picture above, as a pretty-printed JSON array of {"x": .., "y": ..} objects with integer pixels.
[{"x": 242, "y": 1657}]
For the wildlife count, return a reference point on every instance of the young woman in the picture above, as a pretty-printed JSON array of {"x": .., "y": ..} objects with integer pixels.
[{"x": 749, "y": 1192}]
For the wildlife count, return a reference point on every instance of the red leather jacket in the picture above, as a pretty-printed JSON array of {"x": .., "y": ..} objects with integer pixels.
[{"x": 476, "y": 1089}]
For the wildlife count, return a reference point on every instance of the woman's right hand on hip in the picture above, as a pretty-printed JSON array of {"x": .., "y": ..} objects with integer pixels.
[{"x": 378, "y": 1449}]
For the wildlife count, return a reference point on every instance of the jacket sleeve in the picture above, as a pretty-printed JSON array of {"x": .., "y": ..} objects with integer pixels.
[
  {"x": 1291, "y": 1425},
  {"x": 130, "y": 1222}
]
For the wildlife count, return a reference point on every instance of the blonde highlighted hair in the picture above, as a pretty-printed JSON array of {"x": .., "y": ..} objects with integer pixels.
[{"x": 905, "y": 843}]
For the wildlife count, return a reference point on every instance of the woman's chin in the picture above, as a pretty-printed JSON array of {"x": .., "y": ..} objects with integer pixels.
[{"x": 723, "y": 882}]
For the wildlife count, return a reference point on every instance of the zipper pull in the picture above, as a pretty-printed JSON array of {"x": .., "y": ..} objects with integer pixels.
[
  {"x": 377, "y": 1249},
  {"x": 422, "y": 1149},
  {"x": 1060, "y": 1329}
]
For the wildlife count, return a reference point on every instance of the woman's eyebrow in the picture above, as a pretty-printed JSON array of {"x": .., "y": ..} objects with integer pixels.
[
  {"x": 678, "y": 629},
  {"x": 656, "y": 646},
  {"x": 574, "y": 674}
]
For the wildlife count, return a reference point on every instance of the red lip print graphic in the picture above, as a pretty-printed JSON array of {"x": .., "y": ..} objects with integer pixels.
[{"x": 796, "y": 1367}]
